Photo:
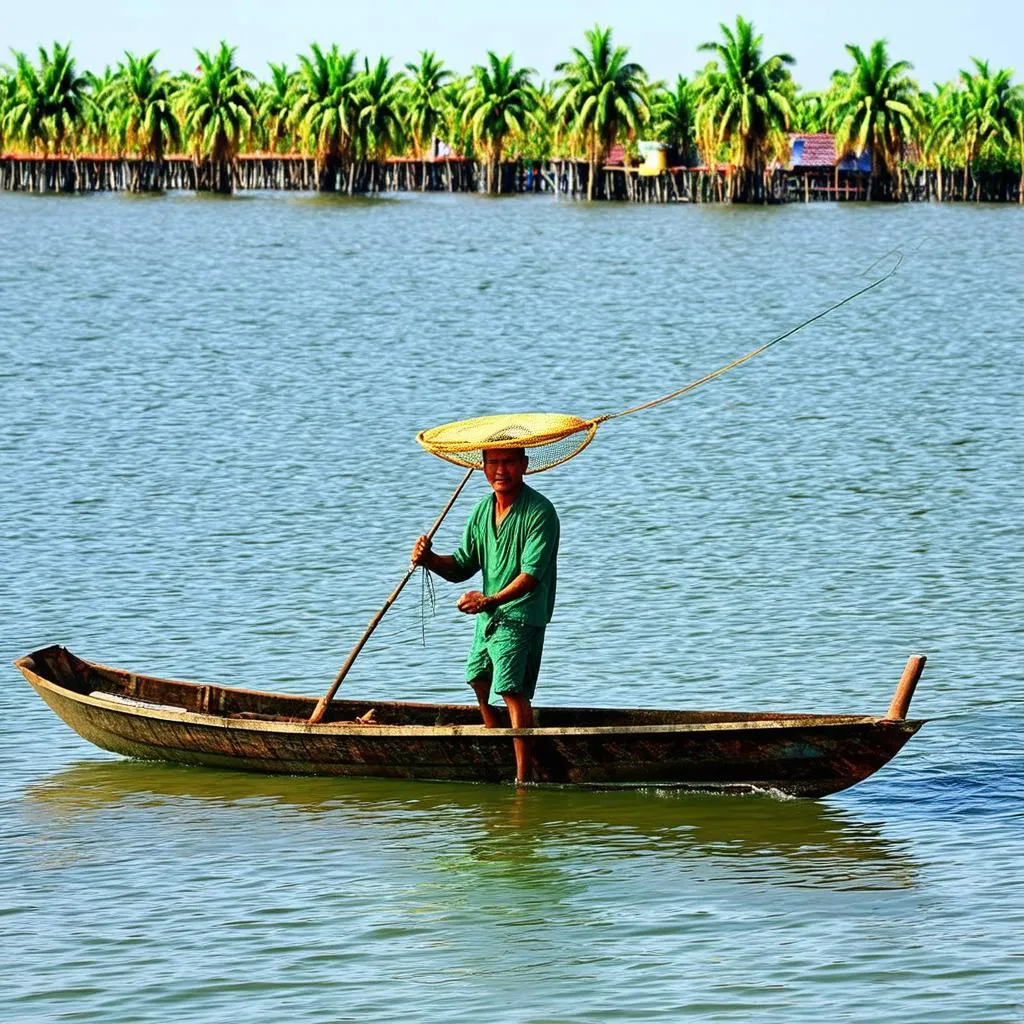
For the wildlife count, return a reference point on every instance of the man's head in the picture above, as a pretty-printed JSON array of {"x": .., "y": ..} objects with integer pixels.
[{"x": 505, "y": 468}]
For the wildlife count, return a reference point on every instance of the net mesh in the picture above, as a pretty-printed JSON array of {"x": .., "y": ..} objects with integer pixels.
[{"x": 550, "y": 438}]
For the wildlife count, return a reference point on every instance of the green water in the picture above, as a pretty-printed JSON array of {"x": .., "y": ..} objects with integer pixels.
[{"x": 208, "y": 471}]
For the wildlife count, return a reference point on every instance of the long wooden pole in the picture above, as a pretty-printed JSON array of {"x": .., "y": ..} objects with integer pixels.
[{"x": 321, "y": 708}]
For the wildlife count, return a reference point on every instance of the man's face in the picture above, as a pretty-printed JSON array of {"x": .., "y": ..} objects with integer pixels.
[{"x": 504, "y": 469}]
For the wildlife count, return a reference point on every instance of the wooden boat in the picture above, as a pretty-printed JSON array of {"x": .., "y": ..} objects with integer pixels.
[{"x": 195, "y": 723}]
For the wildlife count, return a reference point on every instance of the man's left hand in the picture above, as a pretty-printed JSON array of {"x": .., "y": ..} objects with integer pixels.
[{"x": 473, "y": 602}]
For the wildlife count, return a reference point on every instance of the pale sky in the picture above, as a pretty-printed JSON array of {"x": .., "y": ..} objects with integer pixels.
[{"x": 938, "y": 38}]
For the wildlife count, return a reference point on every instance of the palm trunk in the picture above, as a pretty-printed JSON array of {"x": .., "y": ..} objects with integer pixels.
[
  {"x": 594, "y": 159},
  {"x": 158, "y": 165},
  {"x": 325, "y": 175},
  {"x": 495, "y": 183},
  {"x": 1020, "y": 151},
  {"x": 214, "y": 175}
]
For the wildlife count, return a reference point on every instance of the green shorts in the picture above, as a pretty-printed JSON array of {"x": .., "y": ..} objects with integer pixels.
[{"x": 508, "y": 655}]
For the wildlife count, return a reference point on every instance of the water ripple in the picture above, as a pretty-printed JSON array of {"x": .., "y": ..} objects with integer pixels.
[{"x": 210, "y": 473}]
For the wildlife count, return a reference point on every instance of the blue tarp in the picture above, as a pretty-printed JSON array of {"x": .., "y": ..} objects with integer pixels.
[{"x": 857, "y": 163}]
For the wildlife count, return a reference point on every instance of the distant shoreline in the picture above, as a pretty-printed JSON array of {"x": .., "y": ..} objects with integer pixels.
[
  {"x": 24, "y": 173},
  {"x": 739, "y": 130}
]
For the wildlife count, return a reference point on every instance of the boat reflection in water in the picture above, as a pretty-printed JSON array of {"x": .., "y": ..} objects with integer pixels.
[{"x": 458, "y": 825}]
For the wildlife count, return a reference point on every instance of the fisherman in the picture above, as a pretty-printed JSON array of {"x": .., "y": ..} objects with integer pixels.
[{"x": 512, "y": 538}]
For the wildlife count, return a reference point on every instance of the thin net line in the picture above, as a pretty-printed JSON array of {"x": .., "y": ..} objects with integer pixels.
[
  {"x": 378, "y": 648},
  {"x": 455, "y": 442},
  {"x": 768, "y": 344},
  {"x": 427, "y": 595}
]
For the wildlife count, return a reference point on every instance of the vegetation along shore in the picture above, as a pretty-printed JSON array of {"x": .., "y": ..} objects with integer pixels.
[{"x": 738, "y": 130}]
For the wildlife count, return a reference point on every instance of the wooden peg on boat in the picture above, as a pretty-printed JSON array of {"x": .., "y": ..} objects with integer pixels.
[{"x": 905, "y": 688}]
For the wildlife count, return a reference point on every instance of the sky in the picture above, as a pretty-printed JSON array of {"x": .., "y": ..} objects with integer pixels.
[{"x": 937, "y": 38}]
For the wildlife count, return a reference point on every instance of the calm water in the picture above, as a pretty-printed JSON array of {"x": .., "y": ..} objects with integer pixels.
[{"x": 208, "y": 471}]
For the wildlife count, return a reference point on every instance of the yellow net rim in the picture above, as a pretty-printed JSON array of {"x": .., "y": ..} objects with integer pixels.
[{"x": 550, "y": 438}]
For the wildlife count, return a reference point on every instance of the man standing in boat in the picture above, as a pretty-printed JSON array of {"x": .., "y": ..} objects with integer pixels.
[{"x": 512, "y": 538}]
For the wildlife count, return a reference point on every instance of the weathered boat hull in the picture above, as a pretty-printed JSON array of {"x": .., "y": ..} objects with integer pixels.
[{"x": 191, "y": 723}]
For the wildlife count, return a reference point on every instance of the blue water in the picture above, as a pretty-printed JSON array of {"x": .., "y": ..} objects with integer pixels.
[{"x": 209, "y": 471}]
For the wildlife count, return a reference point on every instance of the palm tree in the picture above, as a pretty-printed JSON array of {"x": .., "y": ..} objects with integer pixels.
[
  {"x": 142, "y": 112},
  {"x": 809, "y": 113},
  {"x": 274, "y": 102},
  {"x": 500, "y": 100},
  {"x": 875, "y": 111},
  {"x": 988, "y": 116},
  {"x": 935, "y": 149},
  {"x": 216, "y": 106},
  {"x": 451, "y": 127},
  {"x": 1017, "y": 121},
  {"x": 673, "y": 115},
  {"x": 602, "y": 95},
  {"x": 8, "y": 87},
  {"x": 381, "y": 115},
  {"x": 425, "y": 100},
  {"x": 48, "y": 102},
  {"x": 326, "y": 112},
  {"x": 744, "y": 106},
  {"x": 536, "y": 141},
  {"x": 96, "y": 127}
]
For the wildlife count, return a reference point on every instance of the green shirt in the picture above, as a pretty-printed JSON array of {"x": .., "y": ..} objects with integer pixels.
[{"x": 526, "y": 541}]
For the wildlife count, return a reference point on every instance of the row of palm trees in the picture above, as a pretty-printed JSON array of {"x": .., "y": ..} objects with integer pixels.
[{"x": 737, "y": 111}]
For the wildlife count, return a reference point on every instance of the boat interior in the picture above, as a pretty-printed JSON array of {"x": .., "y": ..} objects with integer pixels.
[{"x": 60, "y": 667}]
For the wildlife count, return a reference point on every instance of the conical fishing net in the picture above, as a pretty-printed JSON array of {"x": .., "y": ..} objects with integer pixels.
[{"x": 550, "y": 438}]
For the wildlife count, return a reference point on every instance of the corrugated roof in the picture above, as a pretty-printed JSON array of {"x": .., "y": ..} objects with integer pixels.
[{"x": 817, "y": 150}]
